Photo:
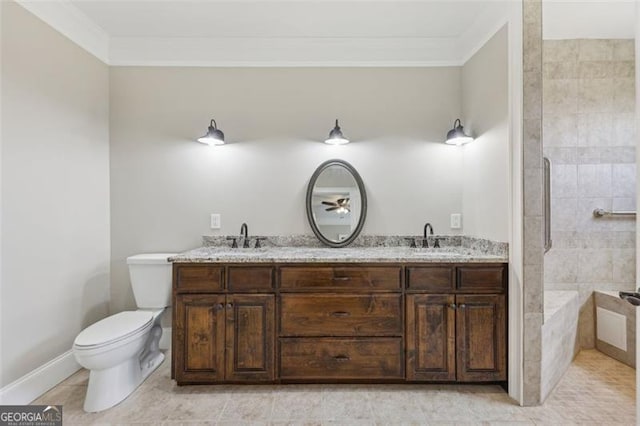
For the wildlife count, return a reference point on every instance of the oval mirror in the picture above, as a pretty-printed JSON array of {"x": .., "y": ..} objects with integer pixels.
[{"x": 336, "y": 203}]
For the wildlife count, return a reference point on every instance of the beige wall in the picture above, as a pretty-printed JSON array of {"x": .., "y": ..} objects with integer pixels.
[
  {"x": 485, "y": 110},
  {"x": 55, "y": 192},
  {"x": 164, "y": 185}
]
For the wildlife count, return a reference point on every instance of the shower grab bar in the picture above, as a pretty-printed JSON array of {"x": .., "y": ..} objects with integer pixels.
[
  {"x": 547, "y": 205},
  {"x": 598, "y": 213}
]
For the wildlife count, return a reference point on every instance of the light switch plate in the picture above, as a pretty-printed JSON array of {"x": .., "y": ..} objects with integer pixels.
[
  {"x": 215, "y": 221},
  {"x": 456, "y": 221}
]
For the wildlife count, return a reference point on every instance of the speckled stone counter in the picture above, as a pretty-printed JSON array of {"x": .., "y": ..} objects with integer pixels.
[{"x": 340, "y": 255}]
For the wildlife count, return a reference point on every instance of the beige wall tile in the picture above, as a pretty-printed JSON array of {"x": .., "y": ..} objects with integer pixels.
[
  {"x": 563, "y": 214},
  {"x": 564, "y": 181},
  {"x": 624, "y": 180},
  {"x": 560, "y": 70},
  {"x": 596, "y": 69},
  {"x": 561, "y": 50},
  {"x": 560, "y": 130},
  {"x": 595, "y": 95},
  {"x": 595, "y": 50},
  {"x": 624, "y": 97},
  {"x": 624, "y": 69},
  {"x": 594, "y": 180},
  {"x": 595, "y": 129},
  {"x": 623, "y": 50},
  {"x": 533, "y": 190},
  {"x": 561, "y": 96},
  {"x": 561, "y": 155},
  {"x": 561, "y": 266},
  {"x": 624, "y": 129},
  {"x": 595, "y": 266},
  {"x": 624, "y": 266}
]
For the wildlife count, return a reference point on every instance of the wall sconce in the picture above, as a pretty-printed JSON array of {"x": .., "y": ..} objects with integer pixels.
[
  {"x": 457, "y": 136},
  {"x": 336, "y": 137},
  {"x": 214, "y": 136}
]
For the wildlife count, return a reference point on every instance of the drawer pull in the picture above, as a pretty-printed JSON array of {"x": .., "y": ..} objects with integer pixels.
[
  {"x": 341, "y": 358},
  {"x": 341, "y": 278},
  {"x": 340, "y": 314}
]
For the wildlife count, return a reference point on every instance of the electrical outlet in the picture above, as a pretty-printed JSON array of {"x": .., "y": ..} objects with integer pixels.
[
  {"x": 215, "y": 221},
  {"x": 456, "y": 221}
]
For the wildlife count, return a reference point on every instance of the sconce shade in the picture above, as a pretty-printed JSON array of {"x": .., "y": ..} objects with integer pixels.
[
  {"x": 457, "y": 136},
  {"x": 214, "y": 136},
  {"x": 336, "y": 137}
]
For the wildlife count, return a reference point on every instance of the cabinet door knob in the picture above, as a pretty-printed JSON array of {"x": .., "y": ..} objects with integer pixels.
[
  {"x": 218, "y": 307},
  {"x": 229, "y": 305},
  {"x": 452, "y": 305},
  {"x": 462, "y": 306}
]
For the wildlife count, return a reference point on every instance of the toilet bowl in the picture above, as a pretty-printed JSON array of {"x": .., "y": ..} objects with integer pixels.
[{"x": 121, "y": 351}]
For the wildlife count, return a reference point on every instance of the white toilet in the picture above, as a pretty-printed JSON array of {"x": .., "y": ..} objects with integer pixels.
[{"x": 122, "y": 350}]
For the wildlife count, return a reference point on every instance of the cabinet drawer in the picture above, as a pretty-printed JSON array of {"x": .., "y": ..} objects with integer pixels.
[
  {"x": 341, "y": 315},
  {"x": 437, "y": 279},
  {"x": 344, "y": 359},
  {"x": 347, "y": 278},
  {"x": 250, "y": 279},
  {"x": 198, "y": 278},
  {"x": 481, "y": 279}
]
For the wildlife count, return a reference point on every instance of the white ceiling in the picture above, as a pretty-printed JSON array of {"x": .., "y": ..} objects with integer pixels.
[
  {"x": 276, "y": 33},
  {"x": 282, "y": 18},
  {"x": 311, "y": 32}
]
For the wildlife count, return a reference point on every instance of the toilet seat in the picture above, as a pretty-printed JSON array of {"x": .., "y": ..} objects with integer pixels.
[{"x": 114, "y": 329}]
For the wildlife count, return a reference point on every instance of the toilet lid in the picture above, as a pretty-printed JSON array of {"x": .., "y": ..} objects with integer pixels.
[{"x": 114, "y": 328}]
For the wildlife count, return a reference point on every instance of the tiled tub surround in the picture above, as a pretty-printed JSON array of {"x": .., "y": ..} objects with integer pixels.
[
  {"x": 559, "y": 337},
  {"x": 589, "y": 136},
  {"x": 610, "y": 301}
]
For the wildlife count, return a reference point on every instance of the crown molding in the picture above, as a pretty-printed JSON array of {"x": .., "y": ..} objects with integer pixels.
[
  {"x": 67, "y": 19},
  {"x": 291, "y": 52}
]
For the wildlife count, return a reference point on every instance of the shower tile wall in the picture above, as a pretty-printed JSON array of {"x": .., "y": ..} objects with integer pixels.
[{"x": 589, "y": 136}]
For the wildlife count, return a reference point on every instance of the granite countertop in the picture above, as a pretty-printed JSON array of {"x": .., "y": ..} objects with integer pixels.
[{"x": 341, "y": 255}]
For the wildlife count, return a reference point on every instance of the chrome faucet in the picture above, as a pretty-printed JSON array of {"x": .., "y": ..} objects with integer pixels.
[
  {"x": 425, "y": 241},
  {"x": 244, "y": 232}
]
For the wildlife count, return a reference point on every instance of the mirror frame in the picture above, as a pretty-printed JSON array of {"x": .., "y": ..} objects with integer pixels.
[{"x": 363, "y": 197}]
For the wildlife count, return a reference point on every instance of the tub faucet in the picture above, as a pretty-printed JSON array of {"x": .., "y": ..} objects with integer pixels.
[
  {"x": 425, "y": 241},
  {"x": 244, "y": 232}
]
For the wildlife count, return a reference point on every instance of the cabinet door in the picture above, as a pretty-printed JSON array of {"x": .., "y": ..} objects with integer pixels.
[
  {"x": 250, "y": 338},
  {"x": 199, "y": 338},
  {"x": 481, "y": 338},
  {"x": 430, "y": 335}
]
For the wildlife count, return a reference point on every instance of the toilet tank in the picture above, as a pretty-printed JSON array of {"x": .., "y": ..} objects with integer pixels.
[{"x": 151, "y": 279}]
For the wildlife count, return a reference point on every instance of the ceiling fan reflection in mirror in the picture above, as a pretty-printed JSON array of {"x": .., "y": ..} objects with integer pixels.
[{"x": 340, "y": 206}]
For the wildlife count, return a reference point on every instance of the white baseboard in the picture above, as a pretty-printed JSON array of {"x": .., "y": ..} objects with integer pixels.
[{"x": 30, "y": 386}]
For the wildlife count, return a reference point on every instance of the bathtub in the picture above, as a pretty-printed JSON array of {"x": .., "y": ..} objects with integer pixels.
[{"x": 560, "y": 342}]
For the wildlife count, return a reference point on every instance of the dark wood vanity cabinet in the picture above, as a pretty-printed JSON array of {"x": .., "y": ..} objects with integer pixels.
[
  {"x": 339, "y": 323},
  {"x": 223, "y": 337},
  {"x": 457, "y": 336}
]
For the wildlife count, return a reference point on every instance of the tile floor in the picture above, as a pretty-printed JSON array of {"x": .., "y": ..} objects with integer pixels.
[{"x": 596, "y": 390}]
